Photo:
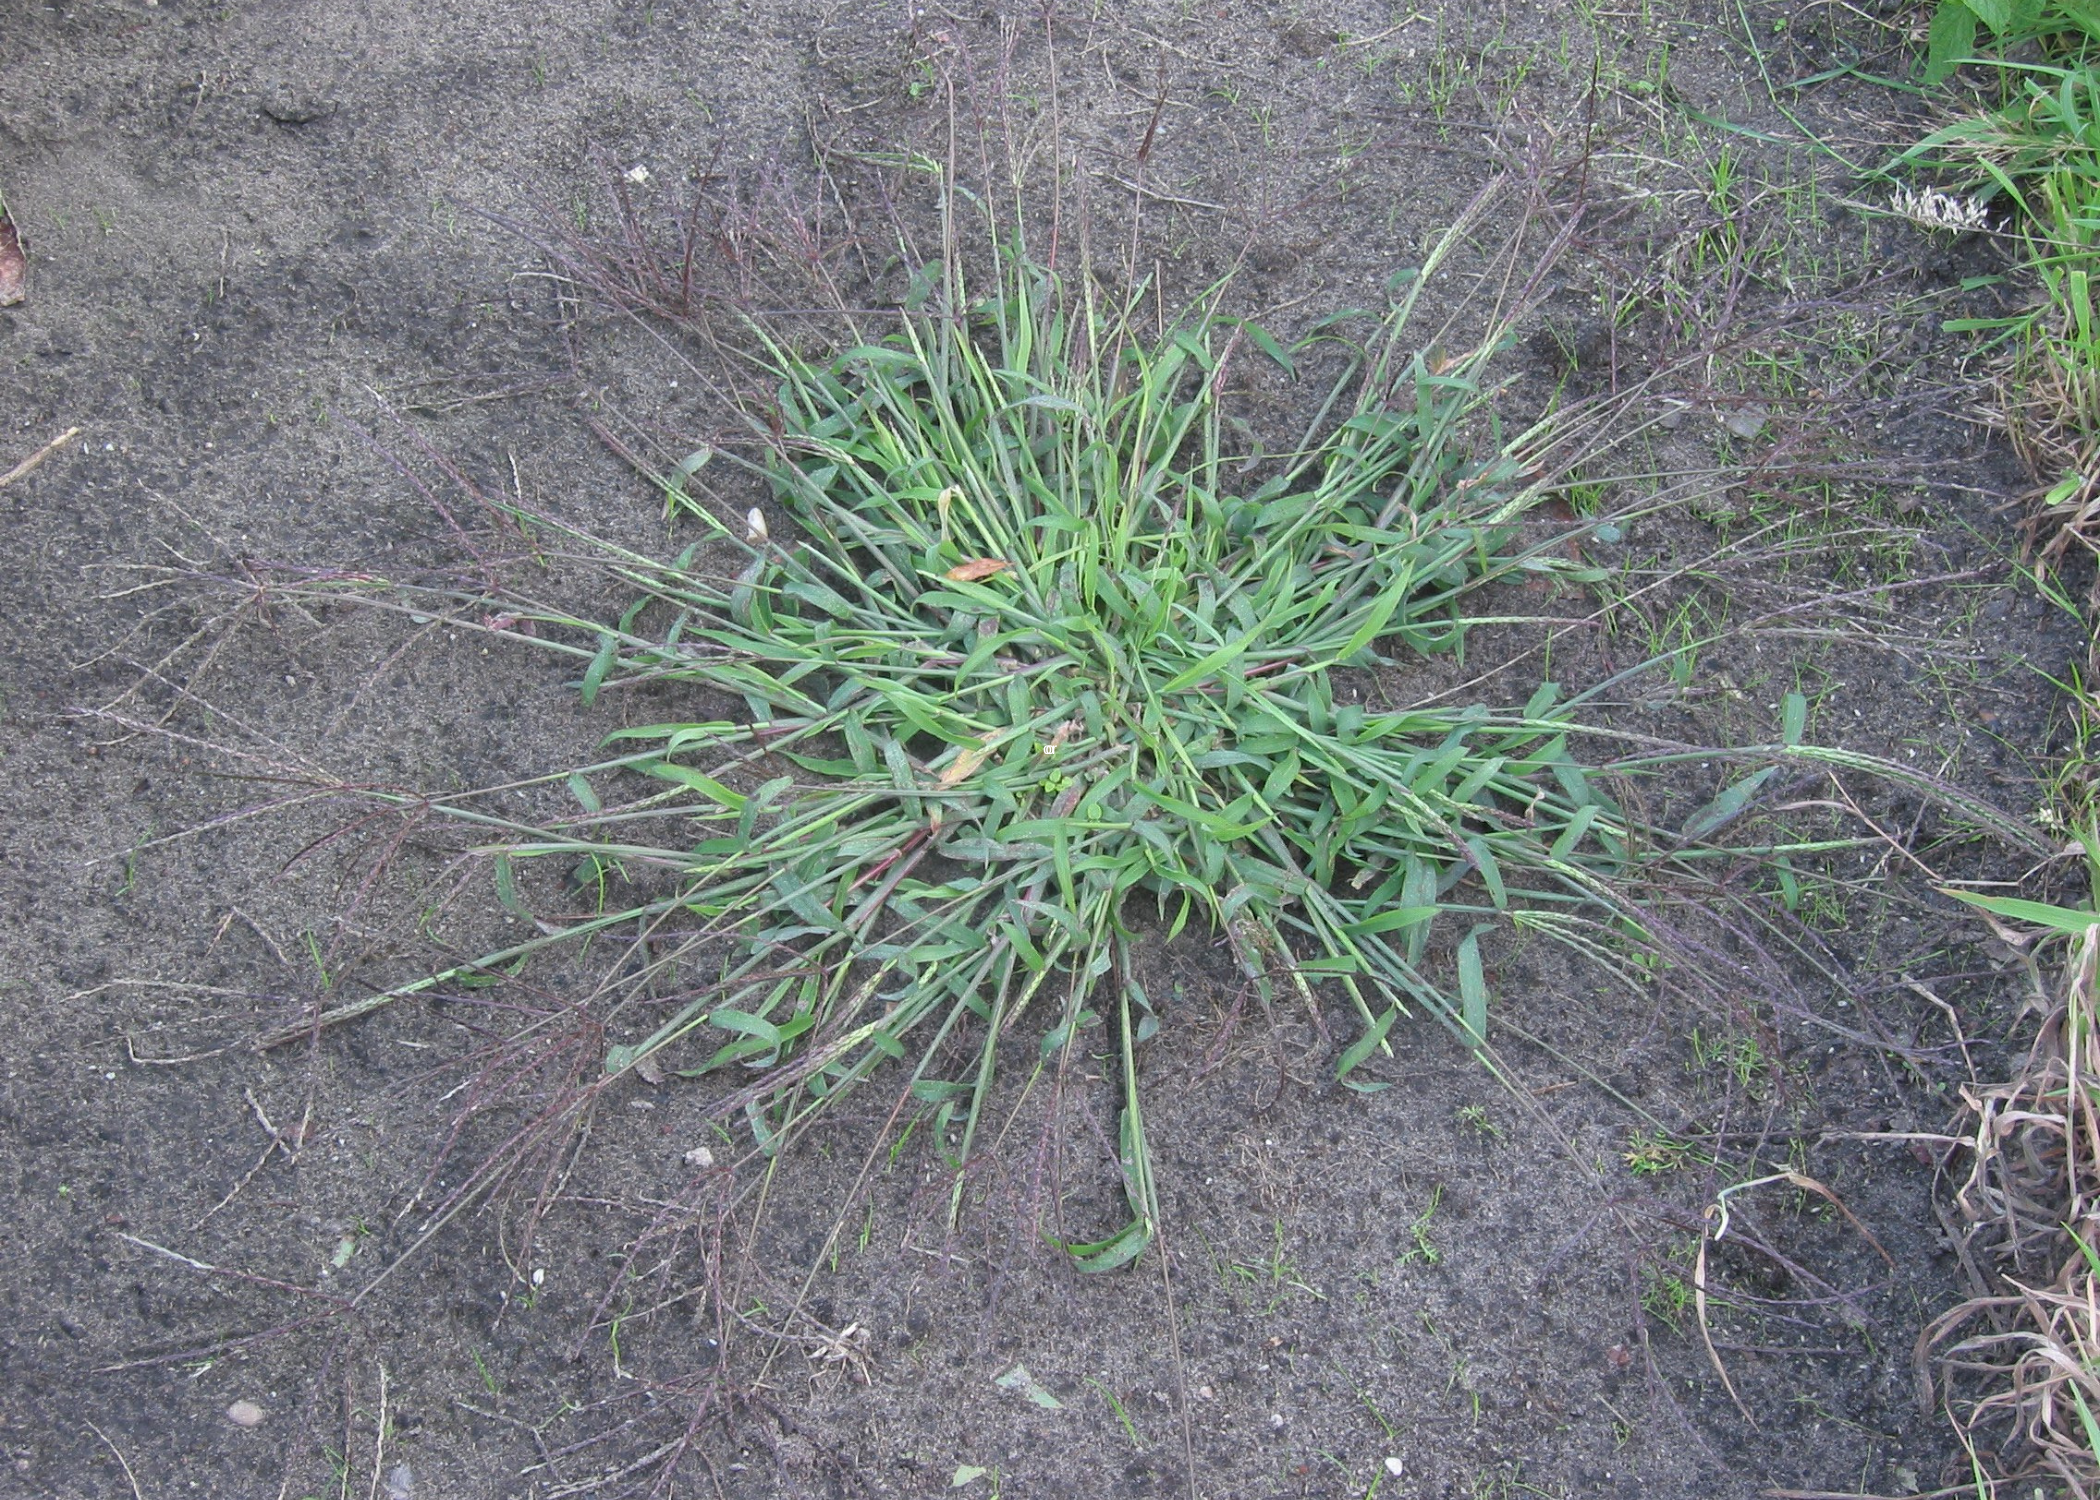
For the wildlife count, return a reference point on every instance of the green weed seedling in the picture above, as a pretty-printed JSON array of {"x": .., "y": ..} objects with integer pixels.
[
  {"x": 1667, "y": 1296},
  {"x": 1476, "y": 1119},
  {"x": 1424, "y": 1249},
  {"x": 1740, "y": 1056},
  {"x": 1652, "y": 1153},
  {"x": 1115, "y": 1405},
  {"x": 1277, "y": 1275},
  {"x": 1461, "y": 1379}
]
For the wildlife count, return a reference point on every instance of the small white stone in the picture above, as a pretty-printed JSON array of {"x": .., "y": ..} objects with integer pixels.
[
  {"x": 1395, "y": 1467},
  {"x": 637, "y": 174},
  {"x": 699, "y": 1158},
  {"x": 244, "y": 1414}
]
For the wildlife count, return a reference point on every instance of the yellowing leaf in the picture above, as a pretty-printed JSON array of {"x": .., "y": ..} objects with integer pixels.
[
  {"x": 977, "y": 569},
  {"x": 965, "y": 765}
]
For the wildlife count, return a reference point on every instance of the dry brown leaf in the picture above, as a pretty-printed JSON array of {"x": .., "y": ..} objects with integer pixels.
[
  {"x": 1705, "y": 1333},
  {"x": 965, "y": 765},
  {"x": 977, "y": 569},
  {"x": 14, "y": 265},
  {"x": 1809, "y": 1184},
  {"x": 30, "y": 463}
]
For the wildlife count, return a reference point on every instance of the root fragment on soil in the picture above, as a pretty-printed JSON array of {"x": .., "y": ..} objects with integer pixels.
[
  {"x": 26, "y": 465},
  {"x": 122, "y": 1462}
]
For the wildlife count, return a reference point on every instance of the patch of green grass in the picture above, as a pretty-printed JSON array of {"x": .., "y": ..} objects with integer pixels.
[
  {"x": 1036, "y": 645},
  {"x": 1034, "y": 654},
  {"x": 2057, "y": 361},
  {"x": 2036, "y": 146},
  {"x": 1956, "y": 25},
  {"x": 1650, "y": 1153}
]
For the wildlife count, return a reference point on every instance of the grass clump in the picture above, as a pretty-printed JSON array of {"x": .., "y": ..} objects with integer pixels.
[
  {"x": 2023, "y": 1389},
  {"x": 2037, "y": 149},
  {"x": 2057, "y": 369},
  {"x": 1036, "y": 650},
  {"x": 1041, "y": 647},
  {"x": 1956, "y": 24}
]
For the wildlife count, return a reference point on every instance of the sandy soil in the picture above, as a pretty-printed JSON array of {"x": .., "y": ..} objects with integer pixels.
[{"x": 265, "y": 285}]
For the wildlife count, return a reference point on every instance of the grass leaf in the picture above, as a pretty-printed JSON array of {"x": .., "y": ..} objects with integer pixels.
[{"x": 2055, "y": 918}]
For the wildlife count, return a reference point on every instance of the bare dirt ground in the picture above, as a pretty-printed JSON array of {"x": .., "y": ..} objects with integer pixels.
[{"x": 261, "y": 272}]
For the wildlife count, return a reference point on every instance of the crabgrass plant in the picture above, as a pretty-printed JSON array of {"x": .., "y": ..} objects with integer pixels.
[
  {"x": 1027, "y": 647},
  {"x": 1032, "y": 657}
]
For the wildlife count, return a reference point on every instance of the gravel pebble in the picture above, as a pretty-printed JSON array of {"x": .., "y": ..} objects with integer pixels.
[{"x": 244, "y": 1414}]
